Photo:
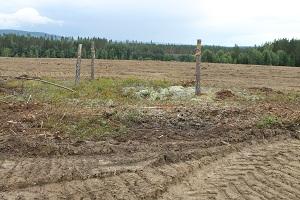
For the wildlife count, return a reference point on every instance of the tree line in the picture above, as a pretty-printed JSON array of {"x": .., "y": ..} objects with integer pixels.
[{"x": 282, "y": 52}]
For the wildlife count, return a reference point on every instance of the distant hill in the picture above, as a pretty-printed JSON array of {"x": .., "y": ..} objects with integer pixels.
[{"x": 32, "y": 34}]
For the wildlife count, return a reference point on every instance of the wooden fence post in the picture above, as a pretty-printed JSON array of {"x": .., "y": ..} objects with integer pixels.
[
  {"x": 78, "y": 63},
  {"x": 93, "y": 60},
  {"x": 198, "y": 61}
]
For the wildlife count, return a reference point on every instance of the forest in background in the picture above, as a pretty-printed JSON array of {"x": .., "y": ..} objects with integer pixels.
[{"x": 281, "y": 52}]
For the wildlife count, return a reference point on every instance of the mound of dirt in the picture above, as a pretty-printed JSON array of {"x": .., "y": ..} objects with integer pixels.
[{"x": 224, "y": 94}]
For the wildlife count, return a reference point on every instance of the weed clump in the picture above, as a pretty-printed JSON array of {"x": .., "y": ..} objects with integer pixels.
[{"x": 268, "y": 121}]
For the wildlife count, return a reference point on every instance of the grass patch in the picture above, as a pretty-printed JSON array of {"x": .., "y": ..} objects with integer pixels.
[
  {"x": 268, "y": 121},
  {"x": 103, "y": 88},
  {"x": 83, "y": 114},
  {"x": 129, "y": 117},
  {"x": 84, "y": 127}
]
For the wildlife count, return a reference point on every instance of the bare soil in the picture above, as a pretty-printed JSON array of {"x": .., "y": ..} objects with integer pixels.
[
  {"x": 159, "y": 156},
  {"x": 223, "y": 94},
  {"x": 214, "y": 75},
  {"x": 262, "y": 172},
  {"x": 186, "y": 151}
]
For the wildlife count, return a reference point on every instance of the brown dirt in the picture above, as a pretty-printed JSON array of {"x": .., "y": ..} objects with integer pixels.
[
  {"x": 174, "y": 152},
  {"x": 224, "y": 94},
  {"x": 262, "y": 172},
  {"x": 159, "y": 155},
  {"x": 213, "y": 75}
]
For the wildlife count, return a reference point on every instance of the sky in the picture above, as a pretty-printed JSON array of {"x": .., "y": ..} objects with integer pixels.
[{"x": 216, "y": 22}]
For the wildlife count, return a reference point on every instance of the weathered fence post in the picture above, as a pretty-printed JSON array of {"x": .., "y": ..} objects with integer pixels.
[
  {"x": 198, "y": 61},
  {"x": 78, "y": 63},
  {"x": 93, "y": 61}
]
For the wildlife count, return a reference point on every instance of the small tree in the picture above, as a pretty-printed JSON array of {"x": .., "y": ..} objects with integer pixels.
[
  {"x": 275, "y": 59},
  {"x": 235, "y": 52},
  {"x": 255, "y": 57},
  {"x": 226, "y": 58},
  {"x": 267, "y": 57},
  {"x": 283, "y": 58},
  {"x": 6, "y": 52},
  {"x": 207, "y": 56},
  {"x": 243, "y": 58}
]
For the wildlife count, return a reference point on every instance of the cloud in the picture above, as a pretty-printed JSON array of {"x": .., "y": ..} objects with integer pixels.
[
  {"x": 25, "y": 17},
  {"x": 250, "y": 22},
  {"x": 181, "y": 21}
]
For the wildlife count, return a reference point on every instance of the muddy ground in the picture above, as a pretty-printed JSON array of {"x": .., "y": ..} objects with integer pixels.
[
  {"x": 172, "y": 153},
  {"x": 230, "y": 148}
]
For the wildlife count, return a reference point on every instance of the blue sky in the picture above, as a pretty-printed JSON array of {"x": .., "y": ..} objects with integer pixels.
[{"x": 217, "y": 22}]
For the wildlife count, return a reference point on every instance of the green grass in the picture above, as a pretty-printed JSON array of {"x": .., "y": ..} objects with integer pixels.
[
  {"x": 268, "y": 121},
  {"x": 101, "y": 89},
  {"x": 85, "y": 108},
  {"x": 81, "y": 114},
  {"x": 84, "y": 127}
]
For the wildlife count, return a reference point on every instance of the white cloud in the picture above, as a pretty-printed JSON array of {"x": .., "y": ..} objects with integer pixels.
[
  {"x": 250, "y": 22},
  {"x": 245, "y": 22},
  {"x": 25, "y": 17}
]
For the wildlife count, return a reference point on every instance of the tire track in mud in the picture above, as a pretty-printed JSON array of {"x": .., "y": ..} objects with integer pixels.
[
  {"x": 92, "y": 178},
  {"x": 146, "y": 183},
  {"x": 267, "y": 172},
  {"x": 26, "y": 172}
]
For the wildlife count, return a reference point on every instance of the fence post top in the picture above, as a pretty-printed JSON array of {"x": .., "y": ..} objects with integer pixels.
[{"x": 198, "y": 49}]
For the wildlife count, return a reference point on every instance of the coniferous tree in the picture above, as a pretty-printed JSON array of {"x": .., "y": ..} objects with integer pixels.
[{"x": 279, "y": 52}]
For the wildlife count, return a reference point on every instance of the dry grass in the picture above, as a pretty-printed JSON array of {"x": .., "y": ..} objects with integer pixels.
[{"x": 213, "y": 75}]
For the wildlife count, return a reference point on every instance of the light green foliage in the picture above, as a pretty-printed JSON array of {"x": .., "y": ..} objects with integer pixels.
[
  {"x": 207, "y": 56},
  {"x": 6, "y": 52},
  {"x": 104, "y": 89}
]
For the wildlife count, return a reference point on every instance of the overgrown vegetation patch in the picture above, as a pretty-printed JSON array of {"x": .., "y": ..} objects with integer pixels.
[
  {"x": 100, "y": 108},
  {"x": 269, "y": 121},
  {"x": 104, "y": 89}
]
